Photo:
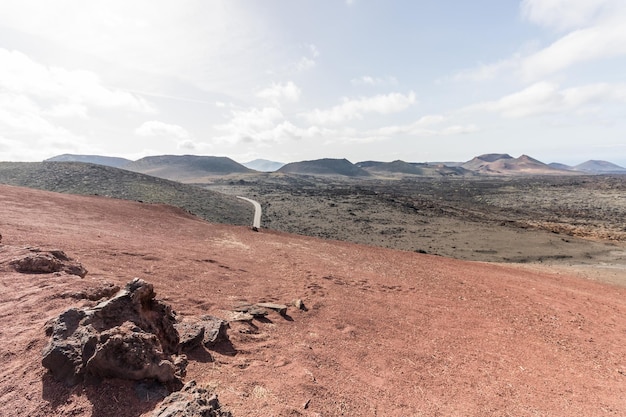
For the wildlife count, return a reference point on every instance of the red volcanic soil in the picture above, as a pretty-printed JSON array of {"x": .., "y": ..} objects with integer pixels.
[{"x": 387, "y": 333}]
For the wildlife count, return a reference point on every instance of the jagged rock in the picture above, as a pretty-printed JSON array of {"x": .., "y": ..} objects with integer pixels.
[
  {"x": 63, "y": 355},
  {"x": 206, "y": 330},
  {"x": 214, "y": 330},
  {"x": 190, "y": 334},
  {"x": 46, "y": 262},
  {"x": 127, "y": 352},
  {"x": 130, "y": 336},
  {"x": 191, "y": 401}
]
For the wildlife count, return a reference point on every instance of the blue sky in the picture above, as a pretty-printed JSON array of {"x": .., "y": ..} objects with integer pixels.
[{"x": 294, "y": 80}]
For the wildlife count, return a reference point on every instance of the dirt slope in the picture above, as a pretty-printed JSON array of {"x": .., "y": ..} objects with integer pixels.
[{"x": 387, "y": 333}]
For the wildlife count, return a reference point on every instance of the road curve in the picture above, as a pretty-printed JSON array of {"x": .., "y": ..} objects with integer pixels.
[{"x": 256, "y": 223}]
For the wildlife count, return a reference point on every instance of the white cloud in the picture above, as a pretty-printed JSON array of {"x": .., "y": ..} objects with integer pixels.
[
  {"x": 188, "y": 145},
  {"x": 592, "y": 30},
  {"x": 26, "y": 134},
  {"x": 313, "y": 50},
  {"x": 429, "y": 125},
  {"x": 373, "y": 81},
  {"x": 565, "y": 14},
  {"x": 355, "y": 108},
  {"x": 546, "y": 98},
  {"x": 157, "y": 128},
  {"x": 20, "y": 116},
  {"x": 69, "y": 91},
  {"x": 67, "y": 110},
  {"x": 251, "y": 125},
  {"x": 279, "y": 92},
  {"x": 306, "y": 62},
  {"x": 214, "y": 45},
  {"x": 486, "y": 72},
  {"x": 593, "y": 43},
  {"x": 269, "y": 127}
]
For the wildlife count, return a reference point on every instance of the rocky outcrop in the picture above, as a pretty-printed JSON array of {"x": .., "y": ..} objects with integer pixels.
[
  {"x": 191, "y": 401},
  {"x": 38, "y": 261},
  {"x": 203, "y": 330},
  {"x": 129, "y": 336}
]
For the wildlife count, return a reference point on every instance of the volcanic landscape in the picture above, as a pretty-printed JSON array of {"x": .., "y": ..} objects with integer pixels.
[{"x": 381, "y": 319}]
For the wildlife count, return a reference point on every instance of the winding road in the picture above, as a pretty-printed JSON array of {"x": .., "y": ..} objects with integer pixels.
[{"x": 256, "y": 223}]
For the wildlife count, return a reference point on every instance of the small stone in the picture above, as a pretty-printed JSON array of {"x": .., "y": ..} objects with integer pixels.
[
  {"x": 299, "y": 304},
  {"x": 257, "y": 312},
  {"x": 252, "y": 309},
  {"x": 240, "y": 316},
  {"x": 280, "y": 308}
]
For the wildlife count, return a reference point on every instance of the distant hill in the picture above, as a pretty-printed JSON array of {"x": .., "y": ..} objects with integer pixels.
[
  {"x": 599, "y": 167},
  {"x": 263, "y": 165},
  {"x": 481, "y": 162},
  {"x": 447, "y": 163},
  {"x": 504, "y": 164},
  {"x": 186, "y": 168},
  {"x": 89, "y": 179},
  {"x": 557, "y": 165},
  {"x": 401, "y": 168},
  {"x": 108, "y": 161},
  {"x": 326, "y": 166}
]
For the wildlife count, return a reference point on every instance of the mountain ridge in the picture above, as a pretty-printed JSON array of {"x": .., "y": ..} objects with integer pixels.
[{"x": 198, "y": 168}]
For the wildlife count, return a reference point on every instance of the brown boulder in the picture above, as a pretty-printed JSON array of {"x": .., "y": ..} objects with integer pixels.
[{"x": 47, "y": 262}]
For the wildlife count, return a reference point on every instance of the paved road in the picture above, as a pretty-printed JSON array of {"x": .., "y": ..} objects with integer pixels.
[{"x": 256, "y": 223}]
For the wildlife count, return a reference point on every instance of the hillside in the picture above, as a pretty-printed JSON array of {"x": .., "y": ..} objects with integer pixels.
[
  {"x": 504, "y": 164},
  {"x": 109, "y": 161},
  {"x": 401, "y": 168},
  {"x": 81, "y": 178},
  {"x": 558, "y": 165},
  {"x": 599, "y": 167},
  {"x": 384, "y": 332},
  {"x": 326, "y": 166},
  {"x": 187, "y": 168}
]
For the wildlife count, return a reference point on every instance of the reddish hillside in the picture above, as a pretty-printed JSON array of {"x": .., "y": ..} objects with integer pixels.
[
  {"x": 386, "y": 332},
  {"x": 504, "y": 164}
]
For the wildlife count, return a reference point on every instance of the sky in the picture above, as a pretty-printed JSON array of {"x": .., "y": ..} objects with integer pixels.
[{"x": 293, "y": 80}]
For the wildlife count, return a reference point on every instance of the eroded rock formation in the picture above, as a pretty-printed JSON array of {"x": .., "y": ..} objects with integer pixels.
[
  {"x": 38, "y": 261},
  {"x": 203, "y": 330},
  {"x": 129, "y": 336}
]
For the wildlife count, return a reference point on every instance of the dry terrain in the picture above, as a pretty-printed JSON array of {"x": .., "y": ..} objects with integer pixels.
[
  {"x": 385, "y": 333},
  {"x": 576, "y": 222}
]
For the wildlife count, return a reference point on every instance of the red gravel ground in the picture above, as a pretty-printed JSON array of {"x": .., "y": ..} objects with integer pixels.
[{"x": 387, "y": 333}]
